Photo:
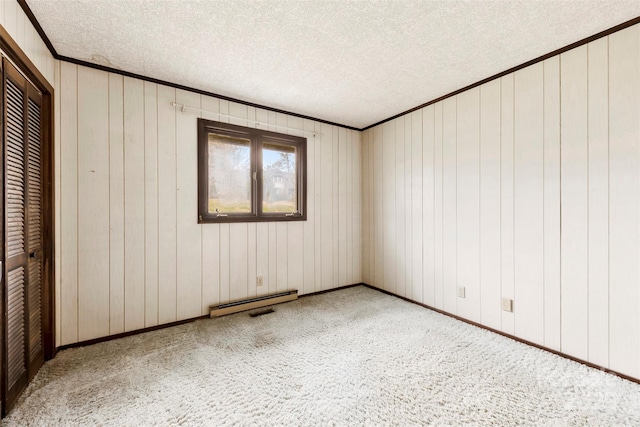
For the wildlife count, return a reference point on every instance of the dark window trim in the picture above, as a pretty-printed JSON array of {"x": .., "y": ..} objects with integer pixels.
[{"x": 256, "y": 136}]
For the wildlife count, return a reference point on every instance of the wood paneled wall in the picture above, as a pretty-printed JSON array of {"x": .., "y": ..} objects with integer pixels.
[
  {"x": 527, "y": 187},
  {"x": 15, "y": 21},
  {"x": 132, "y": 254}
]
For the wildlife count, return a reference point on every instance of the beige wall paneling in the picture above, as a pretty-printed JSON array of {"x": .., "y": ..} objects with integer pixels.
[
  {"x": 349, "y": 208},
  {"x": 189, "y": 246},
  {"x": 134, "y": 241},
  {"x": 427, "y": 127},
  {"x": 552, "y": 203},
  {"x": 378, "y": 206},
  {"x": 343, "y": 260},
  {"x": 318, "y": 247},
  {"x": 10, "y": 22},
  {"x": 326, "y": 205},
  {"x": 418, "y": 223},
  {"x": 507, "y": 275},
  {"x": 400, "y": 208},
  {"x": 116, "y": 204},
  {"x": 389, "y": 249},
  {"x": 366, "y": 211},
  {"x": 335, "y": 196},
  {"x": 449, "y": 205},
  {"x": 295, "y": 231},
  {"x": 598, "y": 137},
  {"x": 468, "y": 203},
  {"x": 57, "y": 199},
  {"x": 574, "y": 178},
  {"x": 210, "y": 232},
  {"x": 308, "y": 227},
  {"x": 167, "y": 206},
  {"x": 3, "y": 20},
  {"x": 408, "y": 208},
  {"x": 528, "y": 201},
  {"x": 238, "y": 232},
  {"x": 93, "y": 201},
  {"x": 624, "y": 201},
  {"x": 407, "y": 211},
  {"x": 69, "y": 202},
  {"x": 151, "y": 203},
  {"x": 356, "y": 141},
  {"x": 438, "y": 207},
  {"x": 490, "y": 284}
]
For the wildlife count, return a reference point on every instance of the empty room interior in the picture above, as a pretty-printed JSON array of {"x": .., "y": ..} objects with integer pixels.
[{"x": 320, "y": 212}]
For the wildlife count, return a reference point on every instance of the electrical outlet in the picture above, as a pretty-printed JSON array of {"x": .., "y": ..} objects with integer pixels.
[
  {"x": 461, "y": 292},
  {"x": 507, "y": 305},
  {"x": 259, "y": 281}
]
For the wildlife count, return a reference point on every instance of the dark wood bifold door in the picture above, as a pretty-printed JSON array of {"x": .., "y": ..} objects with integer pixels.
[{"x": 22, "y": 259}]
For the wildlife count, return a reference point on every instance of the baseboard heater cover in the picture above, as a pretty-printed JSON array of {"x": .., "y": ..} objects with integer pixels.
[{"x": 251, "y": 303}]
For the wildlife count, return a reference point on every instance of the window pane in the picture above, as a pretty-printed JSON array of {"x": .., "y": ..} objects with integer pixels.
[
  {"x": 229, "y": 174},
  {"x": 279, "y": 184}
]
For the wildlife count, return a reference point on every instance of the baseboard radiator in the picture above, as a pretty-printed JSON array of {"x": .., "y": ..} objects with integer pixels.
[{"x": 251, "y": 303}]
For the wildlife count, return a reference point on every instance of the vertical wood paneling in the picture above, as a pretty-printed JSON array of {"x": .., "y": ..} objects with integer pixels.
[
  {"x": 428, "y": 203},
  {"x": 400, "y": 208},
  {"x": 262, "y": 261},
  {"x": 326, "y": 205},
  {"x": 528, "y": 204},
  {"x": 468, "y": 203},
  {"x": 507, "y": 276},
  {"x": 552, "y": 203},
  {"x": 309, "y": 273},
  {"x": 342, "y": 206},
  {"x": 379, "y": 235},
  {"x": 116, "y": 204},
  {"x": 490, "y": 311},
  {"x": 93, "y": 200},
  {"x": 167, "y": 206},
  {"x": 598, "y": 137},
  {"x": 134, "y": 292},
  {"x": 574, "y": 174},
  {"x": 388, "y": 203},
  {"x": 367, "y": 237},
  {"x": 349, "y": 200},
  {"x": 318, "y": 244},
  {"x": 624, "y": 201},
  {"x": 335, "y": 193},
  {"x": 69, "y": 202},
  {"x": 417, "y": 208},
  {"x": 356, "y": 203},
  {"x": 151, "y": 203},
  {"x": 449, "y": 207},
  {"x": 438, "y": 206},
  {"x": 408, "y": 209},
  {"x": 189, "y": 245}
]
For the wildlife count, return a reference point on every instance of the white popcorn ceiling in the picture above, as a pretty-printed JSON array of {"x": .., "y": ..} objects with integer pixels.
[{"x": 353, "y": 63}]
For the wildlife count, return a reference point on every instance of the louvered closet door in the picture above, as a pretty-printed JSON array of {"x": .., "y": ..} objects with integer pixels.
[{"x": 23, "y": 232}]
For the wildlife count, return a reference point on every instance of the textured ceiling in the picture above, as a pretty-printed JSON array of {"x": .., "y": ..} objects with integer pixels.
[{"x": 353, "y": 63}]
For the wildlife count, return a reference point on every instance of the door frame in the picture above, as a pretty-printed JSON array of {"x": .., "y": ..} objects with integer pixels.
[{"x": 14, "y": 53}]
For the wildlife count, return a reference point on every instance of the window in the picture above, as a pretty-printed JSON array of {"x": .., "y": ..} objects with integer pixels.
[{"x": 248, "y": 174}]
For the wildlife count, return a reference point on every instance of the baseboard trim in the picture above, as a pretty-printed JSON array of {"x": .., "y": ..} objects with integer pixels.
[
  {"x": 513, "y": 337},
  {"x": 172, "y": 324},
  {"x": 129, "y": 333}
]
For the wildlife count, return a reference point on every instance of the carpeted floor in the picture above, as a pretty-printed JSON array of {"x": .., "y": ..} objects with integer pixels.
[{"x": 351, "y": 357}]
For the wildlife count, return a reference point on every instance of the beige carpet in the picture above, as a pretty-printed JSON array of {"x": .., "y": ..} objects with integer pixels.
[{"x": 351, "y": 357}]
